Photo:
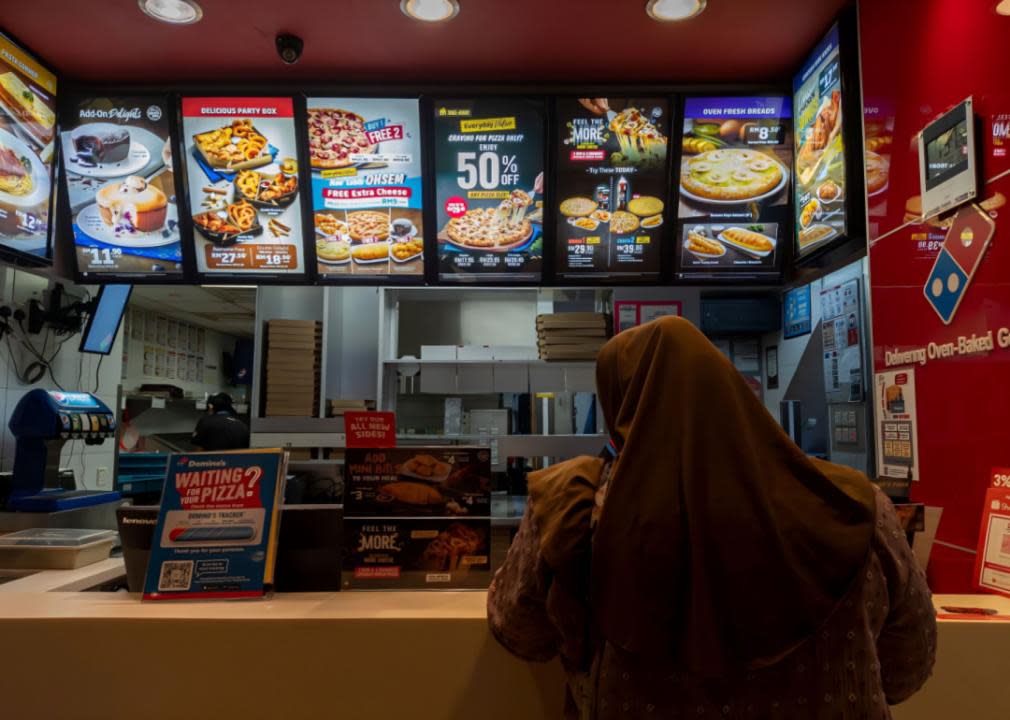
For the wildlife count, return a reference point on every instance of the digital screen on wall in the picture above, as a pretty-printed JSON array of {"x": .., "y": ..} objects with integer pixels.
[
  {"x": 27, "y": 150},
  {"x": 367, "y": 201},
  {"x": 820, "y": 187},
  {"x": 242, "y": 182},
  {"x": 611, "y": 187},
  {"x": 118, "y": 170},
  {"x": 736, "y": 160},
  {"x": 489, "y": 185}
]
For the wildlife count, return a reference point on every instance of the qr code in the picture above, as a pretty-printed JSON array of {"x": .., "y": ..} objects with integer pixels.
[{"x": 176, "y": 575}]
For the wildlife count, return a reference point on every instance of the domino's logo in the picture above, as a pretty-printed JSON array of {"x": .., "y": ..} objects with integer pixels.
[{"x": 960, "y": 255}]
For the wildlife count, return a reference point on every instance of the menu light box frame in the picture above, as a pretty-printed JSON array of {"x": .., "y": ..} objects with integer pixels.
[
  {"x": 66, "y": 215},
  {"x": 845, "y": 246},
  {"x": 304, "y": 245},
  {"x": 313, "y": 97},
  {"x": 747, "y": 108},
  {"x": 14, "y": 255}
]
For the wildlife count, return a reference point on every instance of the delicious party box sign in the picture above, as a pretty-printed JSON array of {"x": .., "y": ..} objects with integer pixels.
[{"x": 217, "y": 526}]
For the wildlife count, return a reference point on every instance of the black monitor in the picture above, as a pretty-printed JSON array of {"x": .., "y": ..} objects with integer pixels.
[{"x": 103, "y": 323}]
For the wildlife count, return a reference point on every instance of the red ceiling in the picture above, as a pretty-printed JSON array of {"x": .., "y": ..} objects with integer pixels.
[{"x": 354, "y": 41}]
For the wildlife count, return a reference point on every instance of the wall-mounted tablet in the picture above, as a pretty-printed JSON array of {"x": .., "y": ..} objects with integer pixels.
[
  {"x": 119, "y": 175},
  {"x": 27, "y": 154},
  {"x": 367, "y": 198},
  {"x": 242, "y": 182},
  {"x": 947, "y": 172},
  {"x": 734, "y": 185},
  {"x": 489, "y": 185},
  {"x": 611, "y": 187}
]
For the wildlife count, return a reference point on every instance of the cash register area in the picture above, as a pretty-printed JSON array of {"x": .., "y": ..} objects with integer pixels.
[{"x": 830, "y": 288}]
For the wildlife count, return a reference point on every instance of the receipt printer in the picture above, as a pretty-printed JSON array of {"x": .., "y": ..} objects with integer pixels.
[{"x": 41, "y": 423}]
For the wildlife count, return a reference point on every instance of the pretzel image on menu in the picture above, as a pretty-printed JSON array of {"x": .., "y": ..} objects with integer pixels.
[{"x": 242, "y": 179}]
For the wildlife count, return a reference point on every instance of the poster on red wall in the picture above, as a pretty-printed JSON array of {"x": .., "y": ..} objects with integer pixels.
[{"x": 897, "y": 435}]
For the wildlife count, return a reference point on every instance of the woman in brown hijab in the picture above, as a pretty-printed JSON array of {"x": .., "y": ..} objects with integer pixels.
[{"x": 713, "y": 569}]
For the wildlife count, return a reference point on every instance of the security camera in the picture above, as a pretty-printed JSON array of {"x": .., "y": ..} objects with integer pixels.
[{"x": 289, "y": 47}]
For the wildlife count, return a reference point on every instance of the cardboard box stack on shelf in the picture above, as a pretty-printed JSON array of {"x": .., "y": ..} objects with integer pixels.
[
  {"x": 337, "y": 408},
  {"x": 571, "y": 336},
  {"x": 293, "y": 352}
]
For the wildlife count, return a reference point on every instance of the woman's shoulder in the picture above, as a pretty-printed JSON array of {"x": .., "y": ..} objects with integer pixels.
[{"x": 583, "y": 470}]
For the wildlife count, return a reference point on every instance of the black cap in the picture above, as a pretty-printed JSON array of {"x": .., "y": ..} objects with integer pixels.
[{"x": 221, "y": 402}]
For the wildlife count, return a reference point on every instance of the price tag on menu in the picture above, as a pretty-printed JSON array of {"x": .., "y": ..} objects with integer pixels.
[{"x": 489, "y": 162}]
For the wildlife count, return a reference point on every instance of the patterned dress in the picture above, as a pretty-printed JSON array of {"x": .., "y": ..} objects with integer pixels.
[{"x": 877, "y": 649}]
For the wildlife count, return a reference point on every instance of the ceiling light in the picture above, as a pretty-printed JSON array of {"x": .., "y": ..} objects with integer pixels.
[
  {"x": 1003, "y": 8},
  {"x": 670, "y": 10},
  {"x": 174, "y": 12},
  {"x": 430, "y": 10}
]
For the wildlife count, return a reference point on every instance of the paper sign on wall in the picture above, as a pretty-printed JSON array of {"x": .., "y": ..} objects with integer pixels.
[{"x": 897, "y": 439}]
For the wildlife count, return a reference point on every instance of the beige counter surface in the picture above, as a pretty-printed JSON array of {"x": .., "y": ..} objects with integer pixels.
[{"x": 410, "y": 655}]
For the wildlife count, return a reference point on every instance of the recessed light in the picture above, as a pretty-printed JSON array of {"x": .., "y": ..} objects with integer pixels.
[
  {"x": 1003, "y": 8},
  {"x": 174, "y": 12},
  {"x": 671, "y": 10},
  {"x": 430, "y": 10}
]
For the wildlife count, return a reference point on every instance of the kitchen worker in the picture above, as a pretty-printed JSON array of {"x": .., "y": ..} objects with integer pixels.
[
  {"x": 711, "y": 569},
  {"x": 220, "y": 428}
]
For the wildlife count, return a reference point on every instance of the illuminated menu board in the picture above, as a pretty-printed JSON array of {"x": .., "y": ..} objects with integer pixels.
[
  {"x": 27, "y": 149},
  {"x": 611, "y": 186},
  {"x": 820, "y": 149},
  {"x": 242, "y": 180},
  {"x": 736, "y": 160},
  {"x": 489, "y": 165},
  {"x": 118, "y": 168},
  {"x": 367, "y": 199}
]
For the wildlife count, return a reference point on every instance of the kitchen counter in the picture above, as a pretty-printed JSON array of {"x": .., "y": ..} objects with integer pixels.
[{"x": 422, "y": 655}]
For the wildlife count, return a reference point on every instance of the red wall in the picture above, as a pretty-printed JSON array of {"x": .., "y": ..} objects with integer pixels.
[{"x": 919, "y": 57}]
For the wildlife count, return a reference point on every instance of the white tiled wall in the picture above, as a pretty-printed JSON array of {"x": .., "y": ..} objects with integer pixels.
[{"x": 72, "y": 369}]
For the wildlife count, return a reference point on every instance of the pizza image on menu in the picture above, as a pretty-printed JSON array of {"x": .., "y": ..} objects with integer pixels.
[
  {"x": 367, "y": 196},
  {"x": 27, "y": 149},
  {"x": 489, "y": 158},
  {"x": 612, "y": 184},
  {"x": 121, "y": 185},
  {"x": 242, "y": 180}
]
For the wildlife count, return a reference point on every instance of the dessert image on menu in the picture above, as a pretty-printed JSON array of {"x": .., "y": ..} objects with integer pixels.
[
  {"x": 735, "y": 168},
  {"x": 242, "y": 180},
  {"x": 489, "y": 158},
  {"x": 27, "y": 148},
  {"x": 611, "y": 186},
  {"x": 121, "y": 184},
  {"x": 367, "y": 199},
  {"x": 820, "y": 150}
]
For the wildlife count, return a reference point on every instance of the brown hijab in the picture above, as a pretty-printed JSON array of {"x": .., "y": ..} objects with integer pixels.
[{"x": 721, "y": 543}]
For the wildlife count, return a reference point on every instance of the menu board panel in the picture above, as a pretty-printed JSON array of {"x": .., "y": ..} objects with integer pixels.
[
  {"x": 242, "y": 178},
  {"x": 27, "y": 147},
  {"x": 367, "y": 200},
  {"x": 611, "y": 186},
  {"x": 489, "y": 164},
  {"x": 820, "y": 149},
  {"x": 117, "y": 158},
  {"x": 734, "y": 187}
]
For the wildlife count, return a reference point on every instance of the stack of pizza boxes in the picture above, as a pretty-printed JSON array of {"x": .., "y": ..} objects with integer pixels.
[
  {"x": 293, "y": 353},
  {"x": 571, "y": 336}
]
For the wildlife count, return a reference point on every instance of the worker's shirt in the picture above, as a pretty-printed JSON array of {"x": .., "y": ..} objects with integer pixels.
[{"x": 221, "y": 431}]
